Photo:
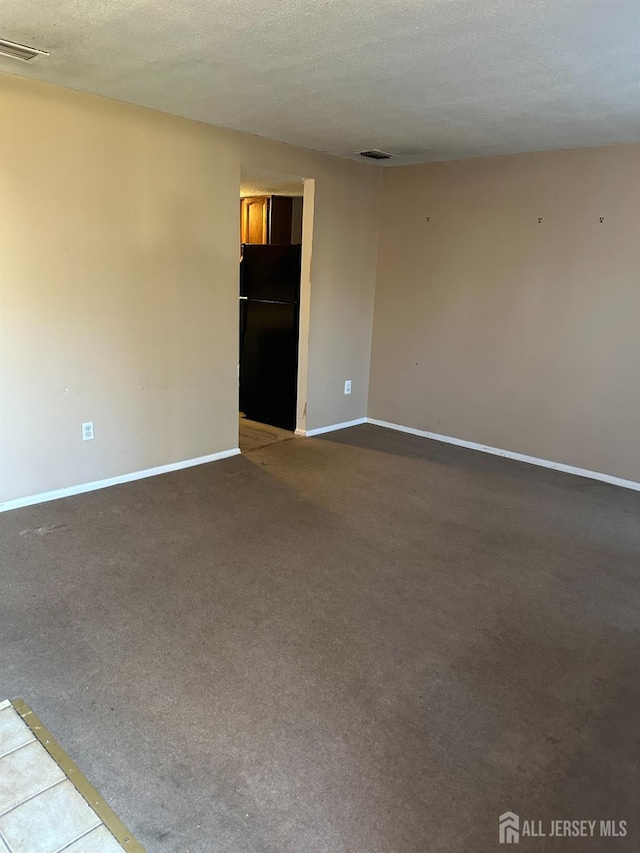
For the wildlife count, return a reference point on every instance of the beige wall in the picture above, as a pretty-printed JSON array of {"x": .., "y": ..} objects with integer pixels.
[
  {"x": 493, "y": 328},
  {"x": 119, "y": 285},
  {"x": 118, "y": 293}
]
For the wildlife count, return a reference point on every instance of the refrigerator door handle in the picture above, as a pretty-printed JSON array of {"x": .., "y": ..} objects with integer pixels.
[
  {"x": 243, "y": 324},
  {"x": 270, "y": 301}
]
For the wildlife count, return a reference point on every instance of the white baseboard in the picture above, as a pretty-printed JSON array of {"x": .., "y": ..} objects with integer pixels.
[
  {"x": 509, "y": 454},
  {"x": 331, "y": 428},
  {"x": 56, "y": 494}
]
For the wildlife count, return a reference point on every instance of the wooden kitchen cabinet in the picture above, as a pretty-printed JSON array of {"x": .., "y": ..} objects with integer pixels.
[
  {"x": 271, "y": 219},
  {"x": 254, "y": 219}
]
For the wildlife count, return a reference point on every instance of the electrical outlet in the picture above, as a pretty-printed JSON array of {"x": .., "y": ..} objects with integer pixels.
[
  {"x": 87, "y": 431},
  {"x": 347, "y": 386}
]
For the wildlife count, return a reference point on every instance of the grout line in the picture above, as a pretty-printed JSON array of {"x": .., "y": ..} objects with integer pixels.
[
  {"x": 4, "y": 843},
  {"x": 16, "y": 748},
  {"x": 33, "y": 796},
  {"x": 5, "y": 704},
  {"x": 79, "y": 781},
  {"x": 78, "y": 837}
]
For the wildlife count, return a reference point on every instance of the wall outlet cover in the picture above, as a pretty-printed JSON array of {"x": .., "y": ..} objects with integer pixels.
[{"x": 87, "y": 431}]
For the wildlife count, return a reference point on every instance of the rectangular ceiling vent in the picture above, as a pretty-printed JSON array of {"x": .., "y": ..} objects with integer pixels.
[
  {"x": 20, "y": 51},
  {"x": 376, "y": 154}
]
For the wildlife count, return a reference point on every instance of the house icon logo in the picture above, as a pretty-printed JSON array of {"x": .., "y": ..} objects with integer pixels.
[{"x": 509, "y": 828}]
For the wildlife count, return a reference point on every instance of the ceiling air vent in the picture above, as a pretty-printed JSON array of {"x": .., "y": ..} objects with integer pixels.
[
  {"x": 20, "y": 51},
  {"x": 376, "y": 154}
]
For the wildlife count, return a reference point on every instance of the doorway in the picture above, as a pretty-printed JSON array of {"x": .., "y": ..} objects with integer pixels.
[{"x": 271, "y": 291}]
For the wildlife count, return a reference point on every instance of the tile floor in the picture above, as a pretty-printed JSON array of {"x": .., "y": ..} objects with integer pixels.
[
  {"x": 40, "y": 810},
  {"x": 254, "y": 435}
]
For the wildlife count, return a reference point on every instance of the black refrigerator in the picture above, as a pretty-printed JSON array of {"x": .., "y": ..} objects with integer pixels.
[{"x": 269, "y": 320}]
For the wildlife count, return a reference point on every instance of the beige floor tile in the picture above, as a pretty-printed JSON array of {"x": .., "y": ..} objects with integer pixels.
[
  {"x": 254, "y": 435},
  {"x": 26, "y": 772},
  {"x": 46, "y": 823},
  {"x": 99, "y": 840},
  {"x": 13, "y": 731}
]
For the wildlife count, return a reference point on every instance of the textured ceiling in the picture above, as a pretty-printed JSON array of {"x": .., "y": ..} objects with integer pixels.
[
  {"x": 265, "y": 182},
  {"x": 425, "y": 79}
]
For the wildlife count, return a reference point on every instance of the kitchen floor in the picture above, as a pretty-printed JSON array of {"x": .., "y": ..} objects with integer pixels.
[
  {"x": 254, "y": 435},
  {"x": 40, "y": 809},
  {"x": 365, "y": 641}
]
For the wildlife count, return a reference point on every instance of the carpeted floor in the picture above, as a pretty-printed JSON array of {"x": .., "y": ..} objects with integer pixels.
[{"x": 365, "y": 642}]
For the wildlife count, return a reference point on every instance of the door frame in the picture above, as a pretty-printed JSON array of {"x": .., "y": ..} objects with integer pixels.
[
  {"x": 304, "y": 307},
  {"x": 302, "y": 397}
]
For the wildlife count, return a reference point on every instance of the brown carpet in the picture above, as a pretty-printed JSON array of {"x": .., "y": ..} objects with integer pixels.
[{"x": 367, "y": 642}]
